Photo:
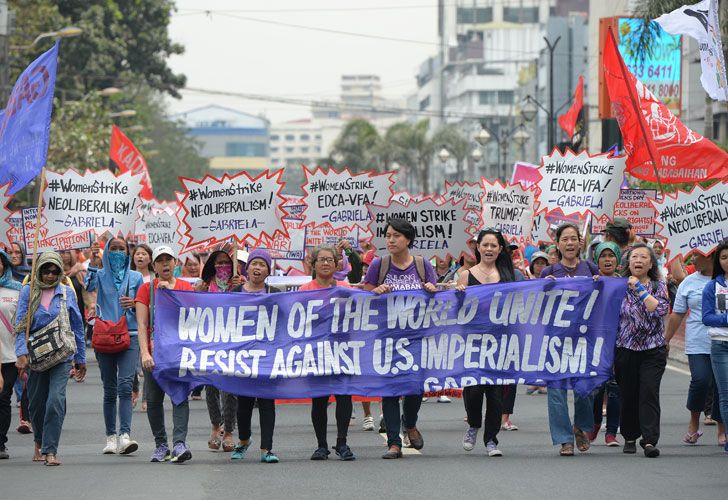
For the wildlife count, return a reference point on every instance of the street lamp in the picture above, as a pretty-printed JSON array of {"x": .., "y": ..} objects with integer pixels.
[
  {"x": 67, "y": 32},
  {"x": 521, "y": 137},
  {"x": 476, "y": 154},
  {"x": 444, "y": 154},
  {"x": 483, "y": 137},
  {"x": 529, "y": 110}
]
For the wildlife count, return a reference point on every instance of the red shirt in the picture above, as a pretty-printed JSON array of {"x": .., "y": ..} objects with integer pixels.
[
  {"x": 314, "y": 285},
  {"x": 142, "y": 295}
]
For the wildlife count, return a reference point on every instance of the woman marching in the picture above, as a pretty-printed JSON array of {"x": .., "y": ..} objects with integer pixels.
[
  {"x": 49, "y": 302},
  {"x": 118, "y": 285},
  {"x": 494, "y": 265},
  {"x": 324, "y": 261},
  {"x": 9, "y": 293},
  {"x": 217, "y": 276},
  {"x": 641, "y": 354}
]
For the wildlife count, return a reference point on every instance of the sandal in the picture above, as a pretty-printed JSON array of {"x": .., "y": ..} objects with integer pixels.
[
  {"x": 228, "y": 444},
  {"x": 51, "y": 460},
  {"x": 37, "y": 456},
  {"x": 582, "y": 441},
  {"x": 567, "y": 450},
  {"x": 692, "y": 437}
]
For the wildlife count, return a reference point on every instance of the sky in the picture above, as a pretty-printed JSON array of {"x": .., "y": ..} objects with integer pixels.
[{"x": 224, "y": 51}]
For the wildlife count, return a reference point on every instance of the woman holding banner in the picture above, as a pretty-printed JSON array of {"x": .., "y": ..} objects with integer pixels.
[
  {"x": 42, "y": 306},
  {"x": 117, "y": 285},
  {"x": 715, "y": 316},
  {"x": 494, "y": 265},
  {"x": 641, "y": 354},
  {"x": 9, "y": 293},
  {"x": 259, "y": 268},
  {"x": 325, "y": 261},
  {"x": 400, "y": 270},
  {"x": 217, "y": 276},
  {"x": 568, "y": 241}
]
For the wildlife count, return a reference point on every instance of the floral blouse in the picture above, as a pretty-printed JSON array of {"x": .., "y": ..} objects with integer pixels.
[{"x": 640, "y": 330}]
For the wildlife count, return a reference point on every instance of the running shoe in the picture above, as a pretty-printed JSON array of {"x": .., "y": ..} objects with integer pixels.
[
  {"x": 493, "y": 450},
  {"x": 239, "y": 451},
  {"x": 509, "y": 426},
  {"x": 320, "y": 454},
  {"x": 181, "y": 453},
  {"x": 444, "y": 399},
  {"x": 611, "y": 440},
  {"x": 161, "y": 454},
  {"x": 368, "y": 424},
  {"x": 344, "y": 453},
  {"x": 269, "y": 458}
]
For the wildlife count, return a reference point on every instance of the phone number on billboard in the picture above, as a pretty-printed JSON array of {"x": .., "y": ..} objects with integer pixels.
[
  {"x": 664, "y": 90},
  {"x": 652, "y": 71}
]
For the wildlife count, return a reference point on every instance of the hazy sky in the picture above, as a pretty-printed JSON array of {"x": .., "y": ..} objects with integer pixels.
[{"x": 227, "y": 53}]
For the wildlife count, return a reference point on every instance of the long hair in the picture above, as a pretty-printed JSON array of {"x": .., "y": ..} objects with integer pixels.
[
  {"x": 503, "y": 262},
  {"x": 146, "y": 248},
  {"x": 717, "y": 269},
  {"x": 654, "y": 271}
]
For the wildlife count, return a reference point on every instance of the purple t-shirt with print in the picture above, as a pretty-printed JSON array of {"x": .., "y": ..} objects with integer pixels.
[{"x": 400, "y": 279}]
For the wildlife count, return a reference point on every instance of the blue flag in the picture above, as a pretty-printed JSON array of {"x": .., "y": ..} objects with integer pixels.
[
  {"x": 559, "y": 333},
  {"x": 25, "y": 127}
]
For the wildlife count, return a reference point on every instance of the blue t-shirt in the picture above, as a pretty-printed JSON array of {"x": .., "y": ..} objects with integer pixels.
[{"x": 690, "y": 297}]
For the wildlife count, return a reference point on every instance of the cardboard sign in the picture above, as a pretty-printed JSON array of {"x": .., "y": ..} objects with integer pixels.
[
  {"x": 15, "y": 233},
  {"x": 5, "y": 214},
  {"x": 240, "y": 207},
  {"x": 525, "y": 174},
  {"x": 161, "y": 230},
  {"x": 95, "y": 201},
  {"x": 635, "y": 206},
  {"x": 68, "y": 240},
  {"x": 287, "y": 283},
  {"x": 693, "y": 221},
  {"x": 291, "y": 247},
  {"x": 441, "y": 229},
  {"x": 472, "y": 192},
  {"x": 509, "y": 209},
  {"x": 580, "y": 183},
  {"x": 294, "y": 206},
  {"x": 324, "y": 236},
  {"x": 340, "y": 199}
]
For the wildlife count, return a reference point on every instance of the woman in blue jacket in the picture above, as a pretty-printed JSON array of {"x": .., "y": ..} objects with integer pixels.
[
  {"x": 117, "y": 285},
  {"x": 715, "y": 317}
]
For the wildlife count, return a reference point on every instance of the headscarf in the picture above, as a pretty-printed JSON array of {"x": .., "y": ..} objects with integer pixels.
[
  {"x": 39, "y": 285},
  {"x": 7, "y": 280},
  {"x": 604, "y": 245},
  {"x": 23, "y": 269},
  {"x": 209, "y": 274}
]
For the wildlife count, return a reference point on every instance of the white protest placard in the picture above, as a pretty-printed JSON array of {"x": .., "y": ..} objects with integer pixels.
[
  {"x": 635, "y": 206},
  {"x": 509, "y": 209},
  {"x": 294, "y": 205},
  {"x": 96, "y": 201},
  {"x": 153, "y": 208},
  {"x": 241, "y": 207},
  {"x": 340, "y": 199},
  {"x": 161, "y": 229},
  {"x": 291, "y": 247},
  {"x": 540, "y": 232},
  {"x": 471, "y": 192},
  {"x": 441, "y": 229},
  {"x": 325, "y": 236},
  {"x": 580, "y": 183},
  {"x": 5, "y": 214},
  {"x": 288, "y": 265},
  {"x": 68, "y": 240},
  {"x": 15, "y": 233},
  {"x": 695, "y": 220},
  {"x": 287, "y": 283}
]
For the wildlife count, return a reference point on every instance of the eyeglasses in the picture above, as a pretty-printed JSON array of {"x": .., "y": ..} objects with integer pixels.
[
  {"x": 325, "y": 260},
  {"x": 51, "y": 270}
]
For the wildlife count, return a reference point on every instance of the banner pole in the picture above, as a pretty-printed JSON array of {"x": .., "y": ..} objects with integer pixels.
[
  {"x": 235, "y": 257},
  {"x": 34, "y": 267}
]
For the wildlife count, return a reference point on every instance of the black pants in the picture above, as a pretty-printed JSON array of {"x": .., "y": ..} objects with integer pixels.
[
  {"x": 10, "y": 374},
  {"x": 319, "y": 418},
  {"x": 473, "y": 400},
  {"x": 267, "y": 414},
  {"x": 509, "y": 398},
  {"x": 639, "y": 374},
  {"x": 393, "y": 421}
]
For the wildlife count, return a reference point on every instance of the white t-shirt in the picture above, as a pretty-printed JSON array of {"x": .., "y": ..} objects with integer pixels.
[{"x": 8, "y": 305}]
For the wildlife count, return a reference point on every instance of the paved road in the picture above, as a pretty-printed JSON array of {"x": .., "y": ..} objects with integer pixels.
[{"x": 530, "y": 467}]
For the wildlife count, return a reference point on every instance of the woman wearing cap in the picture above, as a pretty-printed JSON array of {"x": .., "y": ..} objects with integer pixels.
[
  {"x": 568, "y": 240},
  {"x": 118, "y": 285},
  {"x": 218, "y": 276},
  {"x": 47, "y": 389},
  {"x": 641, "y": 354},
  {"x": 494, "y": 265},
  {"x": 9, "y": 293},
  {"x": 539, "y": 260},
  {"x": 259, "y": 268},
  {"x": 553, "y": 253},
  {"x": 164, "y": 262},
  {"x": 607, "y": 256},
  {"x": 324, "y": 261},
  {"x": 689, "y": 300}
]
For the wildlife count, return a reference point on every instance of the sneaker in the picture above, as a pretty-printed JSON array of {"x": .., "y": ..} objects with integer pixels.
[
  {"x": 493, "y": 450},
  {"x": 425, "y": 400},
  {"x": 4, "y": 453},
  {"x": 161, "y": 454},
  {"x": 181, "y": 453},
  {"x": 127, "y": 445},
  {"x": 111, "y": 445},
  {"x": 509, "y": 426},
  {"x": 470, "y": 438},
  {"x": 368, "y": 424},
  {"x": 24, "y": 427},
  {"x": 611, "y": 440},
  {"x": 630, "y": 447},
  {"x": 320, "y": 454},
  {"x": 239, "y": 451},
  {"x": 269, "y": 458},
  {"x": 344, "y": 453},
  {"x": 382, "y": 427},
  {"x": 444, "y": 399},
  {"x": 592, "y": 435},
  {"x": 651, "y": 451}
]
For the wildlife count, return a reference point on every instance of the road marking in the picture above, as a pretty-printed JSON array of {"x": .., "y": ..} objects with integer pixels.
[
  {"x": 676, "y": 369},
  {"x": 405, "y": 451}
]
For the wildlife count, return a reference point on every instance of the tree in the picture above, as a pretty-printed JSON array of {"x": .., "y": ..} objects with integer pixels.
[
  {"x": 451, "y": 137},
  {"x": 357, "y": 145},
  {"x": 411, "y": 148}
]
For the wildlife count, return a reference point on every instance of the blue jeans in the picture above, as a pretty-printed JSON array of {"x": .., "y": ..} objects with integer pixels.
[
  {"x": 117, "y": 374},
  {"x": 390, "y": 409},
  {"x": 559, "y": 422},
  {"x": 701, "y": 382},
  {"x": 719, "y": 359},
  {"x": 47, "y": 405}
]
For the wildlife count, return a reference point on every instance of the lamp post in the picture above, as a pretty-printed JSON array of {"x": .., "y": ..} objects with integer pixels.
[{"x": 519, "y": 135}]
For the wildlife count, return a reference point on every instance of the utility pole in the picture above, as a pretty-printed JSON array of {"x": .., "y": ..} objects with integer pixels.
[
  {"x": 552, "y": 48},
  {"x": 4, "y": 46}
]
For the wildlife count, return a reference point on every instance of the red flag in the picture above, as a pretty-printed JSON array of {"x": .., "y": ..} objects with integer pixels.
[
  {"x": 650, "y": 131},
  {"x": 573, "y": 120},
  {"x": 125, "y": 156}
]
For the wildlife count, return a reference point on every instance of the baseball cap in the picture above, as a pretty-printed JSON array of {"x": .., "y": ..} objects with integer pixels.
[
  {"x": 162, "y": 250},
  {"x": 619, "y": 223}
]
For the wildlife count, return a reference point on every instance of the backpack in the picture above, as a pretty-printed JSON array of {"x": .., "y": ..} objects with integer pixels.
[{"x": 386, "y": 262}]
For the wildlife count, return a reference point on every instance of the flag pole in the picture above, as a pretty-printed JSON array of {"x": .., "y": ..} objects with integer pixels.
[
  {"x": 630, "y": 91},
  {"x": 34, "y": 267}
]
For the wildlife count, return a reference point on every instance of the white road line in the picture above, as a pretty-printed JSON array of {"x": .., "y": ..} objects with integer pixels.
[
  {"x": 405, "y": 451},
  {"x": 676, "y": 369}
]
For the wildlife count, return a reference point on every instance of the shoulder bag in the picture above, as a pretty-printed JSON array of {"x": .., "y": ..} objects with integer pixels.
[{"x": 54, "y": 343}]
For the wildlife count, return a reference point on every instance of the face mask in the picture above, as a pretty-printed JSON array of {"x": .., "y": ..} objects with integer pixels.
[
  {"x": 224, "y": 272},
  {"x": 117, "y": 260}
]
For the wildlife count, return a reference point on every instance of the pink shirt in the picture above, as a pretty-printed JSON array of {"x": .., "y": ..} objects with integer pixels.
[{"x": 46, "y": 296}]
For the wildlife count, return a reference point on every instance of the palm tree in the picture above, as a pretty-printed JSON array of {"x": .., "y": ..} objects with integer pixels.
[
  {"x": 357, "y": 144},
  {"x": 411, "y": 148}
]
